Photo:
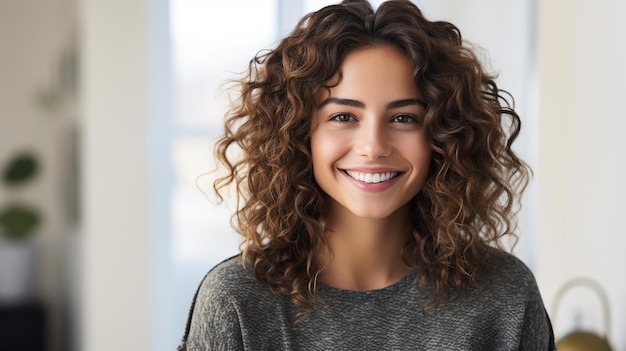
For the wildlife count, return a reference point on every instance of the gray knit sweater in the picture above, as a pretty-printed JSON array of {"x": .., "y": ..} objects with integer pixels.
[{"x": 233, "y": 311}]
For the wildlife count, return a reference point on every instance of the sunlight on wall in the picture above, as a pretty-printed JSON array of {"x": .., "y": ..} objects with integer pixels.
[{"x": 212, "y": 42}]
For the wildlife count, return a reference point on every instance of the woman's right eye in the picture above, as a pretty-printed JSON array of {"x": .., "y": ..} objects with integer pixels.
[{"x": 342, "y": 117}]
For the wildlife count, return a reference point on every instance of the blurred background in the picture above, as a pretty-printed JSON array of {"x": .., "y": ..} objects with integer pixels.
[{"x": 108, "y": 111}]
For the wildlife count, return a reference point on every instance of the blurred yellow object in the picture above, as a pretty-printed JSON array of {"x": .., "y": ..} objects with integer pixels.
[{"x": 583, "y": 340}]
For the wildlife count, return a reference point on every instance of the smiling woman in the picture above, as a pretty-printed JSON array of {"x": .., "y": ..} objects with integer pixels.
[
  {"x": 375, "y": 178},
  {"x": 367, "y": 129}
]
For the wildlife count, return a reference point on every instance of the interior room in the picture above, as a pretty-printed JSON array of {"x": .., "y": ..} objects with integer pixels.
[{"x": 108, "y": 112}]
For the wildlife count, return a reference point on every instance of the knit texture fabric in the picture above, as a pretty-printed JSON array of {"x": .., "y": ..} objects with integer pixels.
[{"x": 233, "y": 311}]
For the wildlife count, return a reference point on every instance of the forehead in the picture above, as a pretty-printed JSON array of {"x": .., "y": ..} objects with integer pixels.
[{"x": 373, "y": 72}]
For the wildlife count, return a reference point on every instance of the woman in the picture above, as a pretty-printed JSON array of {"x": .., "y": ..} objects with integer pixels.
[{"x": 375, "y": 178}]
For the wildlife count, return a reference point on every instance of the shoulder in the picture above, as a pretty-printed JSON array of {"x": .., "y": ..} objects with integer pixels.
[
  {"x": 508, "y": 271},
  {"x": 227, "y": 280},
  {"x": 515, "y": 291},
  {"x": 227, "y": 272},
  {"x": 232, "y": 286},
  {"x": 229, "y": 307},
  {"x": 509, "y": 263},
  {"x": 506, "y": 284},
  {"x": 510, "y": 290},
  {"x": 214, "y": 319}
]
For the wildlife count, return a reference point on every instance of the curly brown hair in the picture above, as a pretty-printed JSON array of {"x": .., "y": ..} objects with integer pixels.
[{"x": 470, "y": 199}]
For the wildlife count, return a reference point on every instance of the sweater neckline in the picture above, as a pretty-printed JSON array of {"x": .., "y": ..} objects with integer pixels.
[{"x": 408, "y": 281}]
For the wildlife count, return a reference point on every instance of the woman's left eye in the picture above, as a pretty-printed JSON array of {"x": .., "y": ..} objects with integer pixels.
[{"x": 404, "y": 119}]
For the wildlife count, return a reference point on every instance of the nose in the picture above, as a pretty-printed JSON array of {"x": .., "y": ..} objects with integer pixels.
[{"x": 372, "y": 141}]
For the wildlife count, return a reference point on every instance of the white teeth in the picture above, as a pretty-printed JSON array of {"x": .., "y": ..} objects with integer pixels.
[{"x": 372, "y": 177}]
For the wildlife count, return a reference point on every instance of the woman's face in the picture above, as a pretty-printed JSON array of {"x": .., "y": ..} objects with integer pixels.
[{"x": 370, "y": 153}]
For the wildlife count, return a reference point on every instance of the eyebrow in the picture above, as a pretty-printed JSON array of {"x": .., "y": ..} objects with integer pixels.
[{"x": 359, "y": 104}]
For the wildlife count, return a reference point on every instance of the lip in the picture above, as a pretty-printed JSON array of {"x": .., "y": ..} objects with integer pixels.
[{"x": 392, "y": 174}]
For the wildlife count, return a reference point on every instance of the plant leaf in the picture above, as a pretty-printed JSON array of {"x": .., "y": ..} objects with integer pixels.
[
  {"x": 21, "y": 168},
  {"x": 18, "y": 222}
]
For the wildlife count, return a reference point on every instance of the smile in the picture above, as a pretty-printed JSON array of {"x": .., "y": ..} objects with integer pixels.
[{"x": 372, "y": 177}]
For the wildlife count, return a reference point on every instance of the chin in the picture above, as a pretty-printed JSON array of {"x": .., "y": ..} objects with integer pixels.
[{"x": 367, "y": 213}]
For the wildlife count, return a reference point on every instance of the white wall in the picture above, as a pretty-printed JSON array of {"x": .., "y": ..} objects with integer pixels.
[
  {"x": 582, "y": 165},
  {"x": 117, "y": 112}
]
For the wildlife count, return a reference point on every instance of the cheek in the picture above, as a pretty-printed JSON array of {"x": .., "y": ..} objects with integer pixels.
[
  {"x": 325, "y": 149},
  {"x": 419, "y": 153},
  {"x": 425, "y": 150},
  {"x": 414, "y": 141}
]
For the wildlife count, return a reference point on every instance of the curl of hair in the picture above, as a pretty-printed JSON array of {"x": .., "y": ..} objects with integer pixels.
[{"x": 470, "y": 199}]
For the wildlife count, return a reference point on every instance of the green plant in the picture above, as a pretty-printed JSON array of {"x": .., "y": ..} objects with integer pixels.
[{"x": 18, "y": 222}]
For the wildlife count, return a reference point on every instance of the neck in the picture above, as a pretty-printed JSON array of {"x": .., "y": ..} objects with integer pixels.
[{"x": 366, "y": 254}]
